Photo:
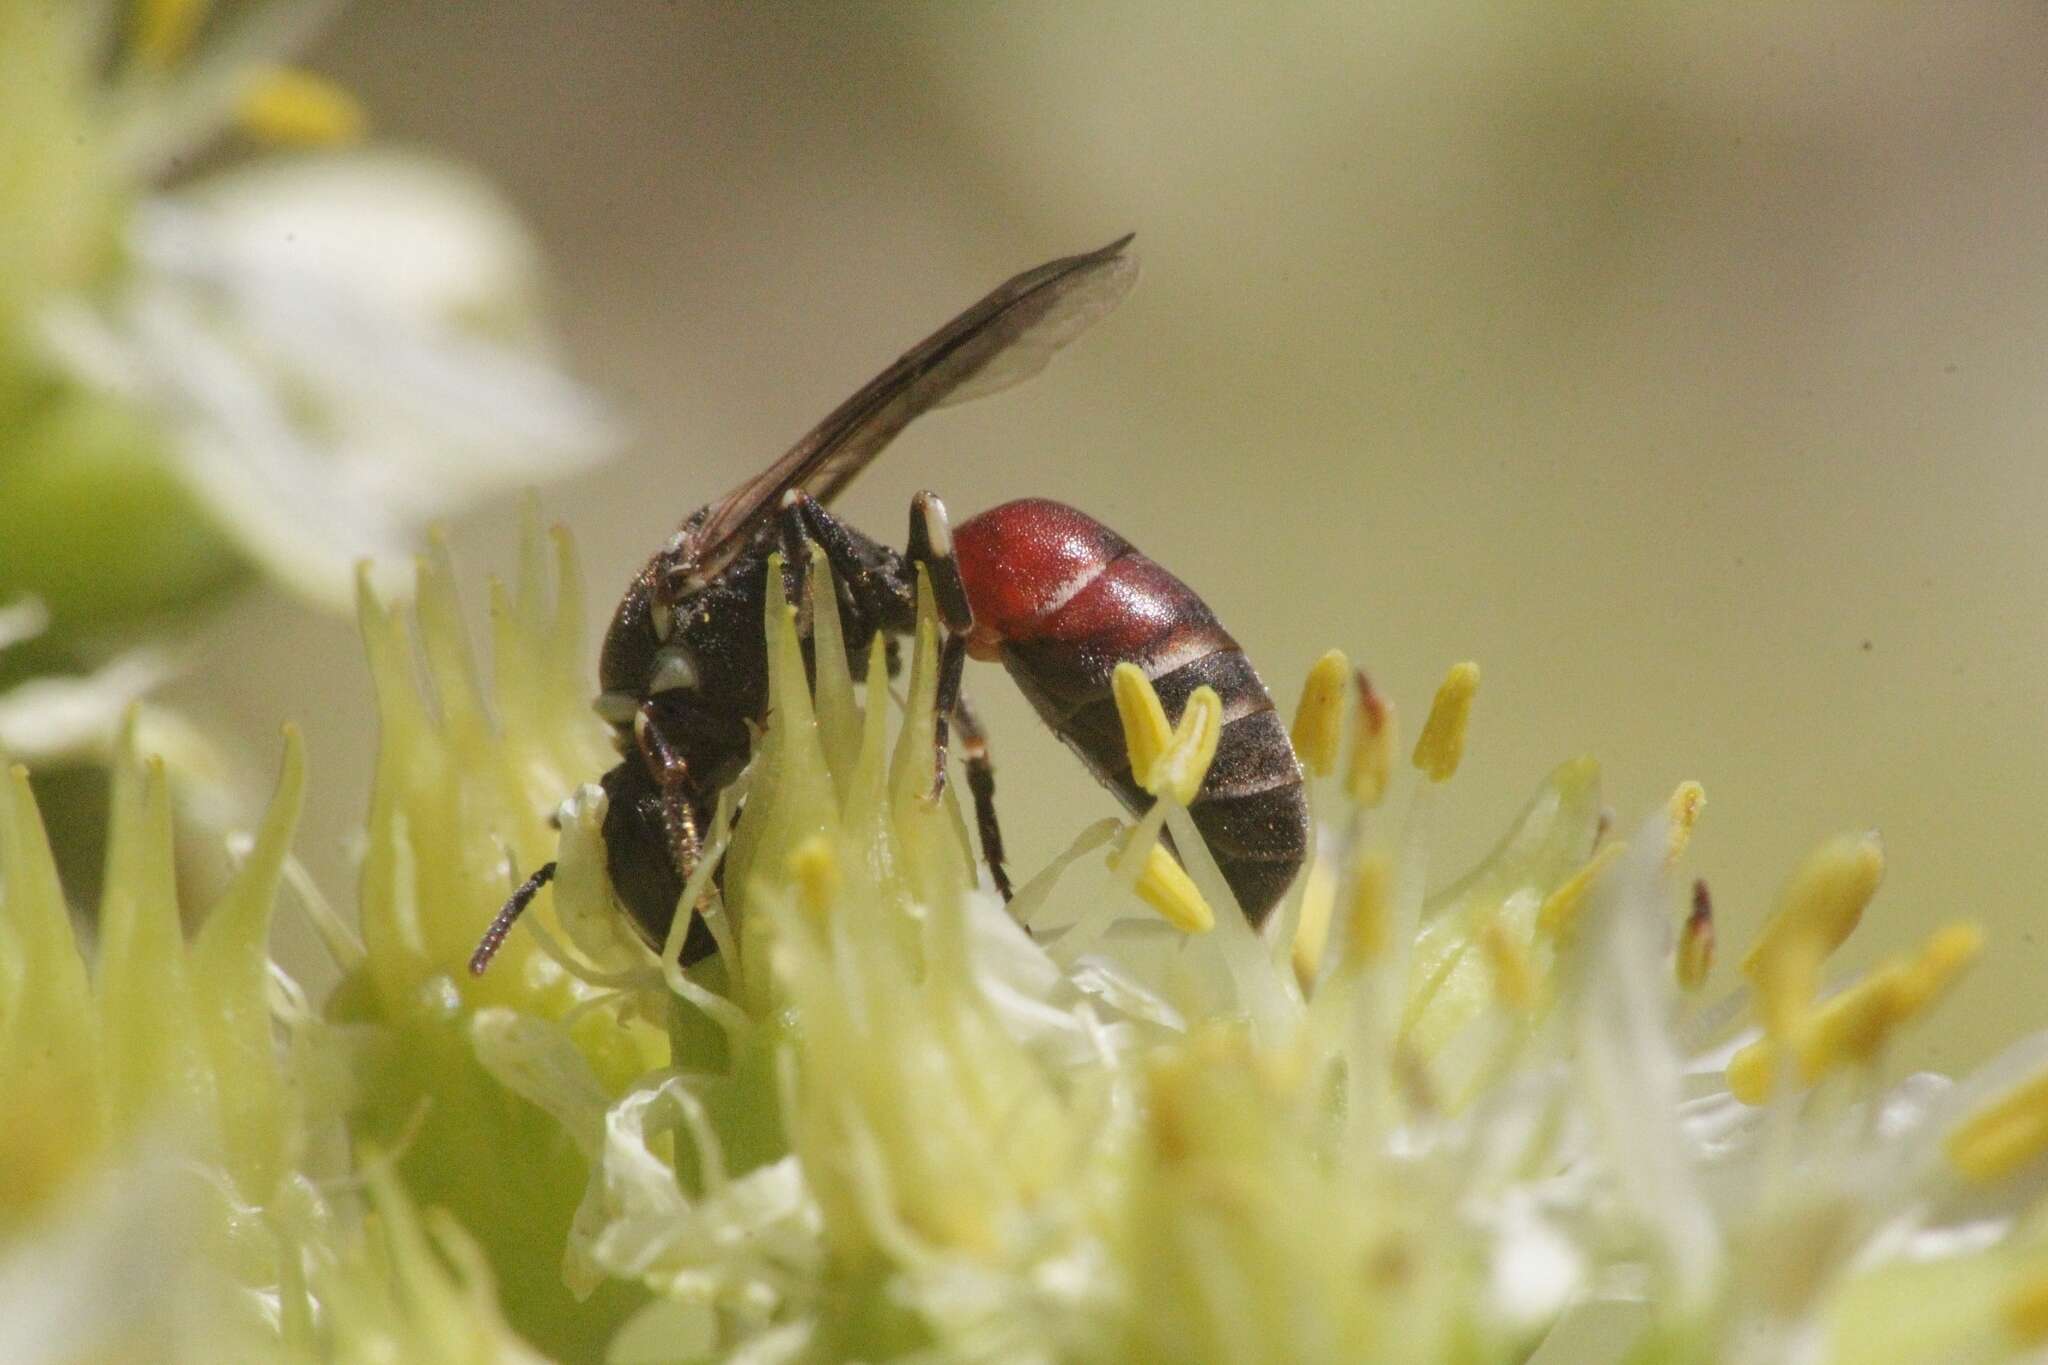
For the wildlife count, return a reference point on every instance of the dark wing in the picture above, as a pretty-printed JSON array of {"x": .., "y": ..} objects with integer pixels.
[{"x": 1003, "y": 340}]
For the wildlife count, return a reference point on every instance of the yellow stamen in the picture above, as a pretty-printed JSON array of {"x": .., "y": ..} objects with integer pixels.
[
  {"x": 1166, "y": 887},
  {"x": 1819, "y": 908},
  {"x": 1147, "y": 731},
  {"x": 1753, "y": 1071},
  {"x": 164, "y": 30},
  {"x": 1365, "y": 937},
  {"x": 1372, "y": 747},
  {"x": 1185, "y": 763},
  {"x": 1312, "y": 933},
  {"x": 1852, "y": 1026},
  {"x": 2026, "y": 1312},
  {"x": 1513, "y": 973},
  {"x": 1442, "y": 742},
  {"x": 1946, "y": 955},
  {"x": 1684, "y": 811},
  {"x": 1166, "y": 760},
  {"x": 295, "y": 107},
  {"x": 1560, "y": 909},
  {"x": 1319, "y": 719},
  {"x": 2002, "y": 1136},
  {"x": 1695, "y": 957},
  {"x": 816, "y": 870}
]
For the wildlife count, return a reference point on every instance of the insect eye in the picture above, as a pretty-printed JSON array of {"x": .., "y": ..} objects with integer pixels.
[{"x": 674, "y": 670}]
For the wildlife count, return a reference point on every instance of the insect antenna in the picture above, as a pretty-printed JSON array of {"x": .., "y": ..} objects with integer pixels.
[{"x": 494, "y": 937}]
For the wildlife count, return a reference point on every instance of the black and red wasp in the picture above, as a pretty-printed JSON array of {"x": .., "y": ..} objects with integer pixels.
[{"x": 1058, "y": 598}]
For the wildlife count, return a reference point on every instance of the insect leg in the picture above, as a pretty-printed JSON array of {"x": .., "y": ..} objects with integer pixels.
[
  {"x": 981, "y": 781},
  {"x": 952, "y": 659},
  {"x": 876, "y": 591},
  {"x": 672, "y": 776},
  {"x": 931, "y": 544}
]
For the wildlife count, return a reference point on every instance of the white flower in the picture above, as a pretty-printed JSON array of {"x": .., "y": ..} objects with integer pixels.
[{"x": 338, "y": 345}]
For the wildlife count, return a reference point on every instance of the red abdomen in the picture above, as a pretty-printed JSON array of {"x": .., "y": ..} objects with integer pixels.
[{"x": 1062, "y": 600}]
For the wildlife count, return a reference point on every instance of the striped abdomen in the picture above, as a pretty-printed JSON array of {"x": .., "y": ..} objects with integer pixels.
[{"x": 1061, "y": 600}]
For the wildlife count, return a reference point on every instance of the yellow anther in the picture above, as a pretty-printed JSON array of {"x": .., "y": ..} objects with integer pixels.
[
  {"x": 816, "y": 870},
  {"x": 1147, "y": 731},
  {"x": 1513, "y": 973},
  {"x": 1185, "y": 763},
  {"x": 1560, "y": 909},
  {"x": 1946, "y": 955},
  {"x": 1818, "y": 909},
  {"x": 1370, "y": 913},
  {"x": 296, "y": 107},
  {"x": 1695, "y": 957},
  {"x": 1442, "y": 742},
  {"x": 1319, "y": 719},
  {"x": 1166, "y": 887},
  {"x": 1166, "y": 760},
  {"x": 1852, "y": 1025},
  {"x": 2026, "y": 1312},
  {"x": 1312, "y": 932},
  {"x": 164, "y": 29},
  {"x": 1372, "y": 747},
  {"x": 1847, "y": 1029},
  {"x": 1683, "y": 811},
  {"x": 2002, "y": 1136}
]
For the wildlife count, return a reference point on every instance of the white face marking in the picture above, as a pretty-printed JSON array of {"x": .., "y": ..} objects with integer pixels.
[
  {"x": 662, "y": 616},
  {"x": 674, "y": 670},
  {"x": 640, "y": 727},
  {"x": 615, "y": 708}
]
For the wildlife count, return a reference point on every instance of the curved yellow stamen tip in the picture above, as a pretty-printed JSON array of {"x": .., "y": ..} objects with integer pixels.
[
  {"x": 816, "y": 870},
  {"x": 1695, "y": 957},
  {"x": 1442, "y": 742},
  {"x": 1166, "y": 887},
  {"x": 1147, "y": 731},
  {"x": 1319, "y": 719},
  {"x": 1560, "y": 909},
  {"x": 1947, "y": 954},
  {"x": 2026, "y": 1312},
  {"x": 1513, "y": 974},
  {"x": 1166, "y": 760},
  {"x": 1372, "y": 747},
  {"x": 1683, "y": 811},
  {"x": 1849, "y": 1028},
  {"x": 1753, "y": 1071},
  {"x": 1312, "y": 934},
  {"x": 1819, "y": 908},
  {"x": 295, "y": 107},
  {"x": 164, "y": 29},
  {"x": 2002, "y": 1136},
  {"x": 1186, "y": 761},
  {"x": 1853, "y": 1025}
]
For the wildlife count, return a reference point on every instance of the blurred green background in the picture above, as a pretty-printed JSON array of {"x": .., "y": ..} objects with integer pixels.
[{"x": 1684, "y": 365}]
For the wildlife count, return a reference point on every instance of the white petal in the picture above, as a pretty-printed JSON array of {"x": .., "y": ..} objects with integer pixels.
[{"x": 1629, "y": 1068}]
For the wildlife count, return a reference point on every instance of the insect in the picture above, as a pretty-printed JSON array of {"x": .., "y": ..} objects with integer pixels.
[{"x": 1055, "y": 596}]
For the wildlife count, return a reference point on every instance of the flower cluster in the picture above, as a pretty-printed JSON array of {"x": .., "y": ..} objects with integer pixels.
[
  {"x": 276, "y": 358},
  {"x": 1492, "y": 1117}
]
